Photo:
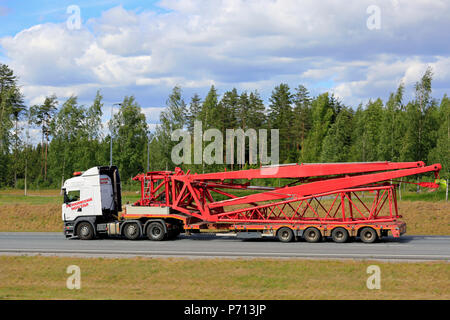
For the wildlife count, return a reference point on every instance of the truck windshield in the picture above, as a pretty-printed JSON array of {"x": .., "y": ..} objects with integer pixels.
[{"x": 70, "y": 196}]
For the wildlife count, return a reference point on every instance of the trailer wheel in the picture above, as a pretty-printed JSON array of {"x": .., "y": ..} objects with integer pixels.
[
  {"x": 368, "y": 235},
  {"x": 85, "y": 231},
  {"x": 155, "y": 231},
  {"x": 285, "y": 234},
  {"x": 339, "y": 235},
  {"x": 312, "y": 235},
  {"x": 131, "y": 231}
]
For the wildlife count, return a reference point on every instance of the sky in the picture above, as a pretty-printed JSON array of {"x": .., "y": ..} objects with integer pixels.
[{"x": 356, "y": 49}]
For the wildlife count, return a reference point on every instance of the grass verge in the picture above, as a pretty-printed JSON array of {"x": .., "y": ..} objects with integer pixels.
[{"x": 39, "y": 277}]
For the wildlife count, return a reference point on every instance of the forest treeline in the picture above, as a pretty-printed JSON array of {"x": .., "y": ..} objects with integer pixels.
[{"x": 311, "y": 129}]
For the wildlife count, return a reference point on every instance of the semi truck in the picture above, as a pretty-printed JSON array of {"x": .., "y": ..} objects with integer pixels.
[{"x": 312, "y": 202}]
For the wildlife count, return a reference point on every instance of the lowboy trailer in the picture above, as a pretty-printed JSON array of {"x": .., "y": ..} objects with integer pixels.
[{"x": 337, "y": 200}]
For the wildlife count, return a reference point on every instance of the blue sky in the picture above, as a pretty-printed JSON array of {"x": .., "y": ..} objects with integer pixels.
[
  {"x": 23, "y": 14},
  {"x": 145, "y": 48}
]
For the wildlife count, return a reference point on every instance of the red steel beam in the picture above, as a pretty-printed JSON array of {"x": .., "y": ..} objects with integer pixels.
[
  {"x": 325, "y": 186},
  {"x": 306, "y": 170}
]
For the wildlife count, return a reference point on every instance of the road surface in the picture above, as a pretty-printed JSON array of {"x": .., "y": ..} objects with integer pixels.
[{"x": 404, "y": 248}]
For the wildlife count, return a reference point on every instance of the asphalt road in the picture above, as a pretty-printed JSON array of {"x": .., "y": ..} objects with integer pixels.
[{"x": 404, "y": 248}]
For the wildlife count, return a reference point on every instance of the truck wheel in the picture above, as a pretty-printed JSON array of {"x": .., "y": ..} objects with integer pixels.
[
  {"x": 312, "y": 235},
  {"x": 285, "y": 234},
  {"x": 339, "y": 235},
  {"x": 85, "y": 231},
  {"x": 368, "y": 235},
  {"x": 155, "y": 231},
  {"x": 131, "y": 231}
]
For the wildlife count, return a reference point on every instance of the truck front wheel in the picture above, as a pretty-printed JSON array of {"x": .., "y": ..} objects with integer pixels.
[
  {"x": 85, "y": 231},
  {"x": 156, "y": 231}
]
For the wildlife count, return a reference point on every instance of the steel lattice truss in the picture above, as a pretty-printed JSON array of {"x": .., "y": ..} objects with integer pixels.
[{"x": 322, "y": 194}]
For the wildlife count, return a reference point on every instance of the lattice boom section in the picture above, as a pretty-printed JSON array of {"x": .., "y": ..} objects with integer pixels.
[{"x": 349, "y": 205}]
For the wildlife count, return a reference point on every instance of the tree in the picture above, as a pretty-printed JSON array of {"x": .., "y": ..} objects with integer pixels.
[
  {"x": 195, "y": 108},
  {"x": 441, "y": 153},
  {"x": 68, "y": 146},
  {"x": 280, "y": 117},
  {"x": 130, "y": 138},
  {"x": 256, "y": 112},
  {"x": 172, "y": 118},
  {"x": 229, "y": 105},
  {"x": 42, "y": 116},
  {"x": 392, "y": 126},
  {"x": 11, "y": 109},
  {"x": 422, "y": 123},
  {"x": 337, "y": 143},
  {"x": 210, "y": 114},
  {"x": 322, "y": 115},
  {"x": 370, "y": 138},
  {"x": 302, "y": 118}
]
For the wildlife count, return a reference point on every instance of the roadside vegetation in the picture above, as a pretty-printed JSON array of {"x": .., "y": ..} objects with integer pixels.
[
  {"x": 69, "y": 136},
  {"x": 38, "y": 277}
]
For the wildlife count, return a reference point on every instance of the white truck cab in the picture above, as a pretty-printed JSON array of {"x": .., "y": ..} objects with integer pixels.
[{"x": 91, "y": 200}]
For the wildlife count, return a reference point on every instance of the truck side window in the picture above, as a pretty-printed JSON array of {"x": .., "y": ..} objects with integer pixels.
[{"x": 71, "y": 196}]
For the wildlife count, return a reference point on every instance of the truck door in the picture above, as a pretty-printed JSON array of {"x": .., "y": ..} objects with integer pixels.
[{"x": 77, "y": 203}]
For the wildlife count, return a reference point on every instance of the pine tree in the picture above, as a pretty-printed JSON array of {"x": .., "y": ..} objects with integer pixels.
[
  {"x": 42, "y": 116},
  {"x": 302, "y": 118},
  {"x": 322, "y": 115},
  {"x": 337, "y": 143},
  {"x": 210, "y": 114},
  {"x": 174, "y": 117},
  {"x": 392, "y": 127},
  {"x": 280, "y": 117},
  {"x": 195, "y": 107}
]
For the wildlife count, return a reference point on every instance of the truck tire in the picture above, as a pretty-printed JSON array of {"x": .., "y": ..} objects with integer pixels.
[
  {"x": 312, "y": 235},
  {"x": 339, "y": 235},
  {"x": 85, "y": 231},
  {"x": 285, "y": 234},
  {"x": 156, "y": 231},
  {"x": 132, "y": 231},
  {"x": 368, "y": 235}
]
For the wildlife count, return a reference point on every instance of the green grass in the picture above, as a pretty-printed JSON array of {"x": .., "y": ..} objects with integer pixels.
[
  {"x": 438, "y": 195},
  {"x": 6, "y": 199}
]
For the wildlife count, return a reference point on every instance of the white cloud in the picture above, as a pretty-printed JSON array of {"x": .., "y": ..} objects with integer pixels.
[{"x": 248, "y": 44}]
